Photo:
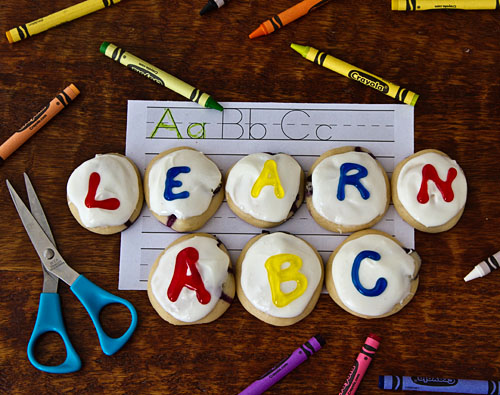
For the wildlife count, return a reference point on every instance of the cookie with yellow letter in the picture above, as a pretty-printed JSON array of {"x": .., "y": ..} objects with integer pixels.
[
  {"x": 265, "y": 189},
  {"x": 279, "y": 278}
]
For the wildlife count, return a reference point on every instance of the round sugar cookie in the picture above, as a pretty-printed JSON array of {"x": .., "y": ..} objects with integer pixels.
[
  {"x": 192, "y": 280},
  {"x": 347, "y": 190},
  {"x": 105, "y": 193},
  {"x": 183, "y": 188},
  {"x": 429, "y": 191},
  {"x": 371, "y": 275},
  {"x": 279, "y": 278},
  {"x": 265, "y": 189}
]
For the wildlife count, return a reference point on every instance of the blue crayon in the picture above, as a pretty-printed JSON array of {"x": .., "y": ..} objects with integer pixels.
[{"x": 434, "y": 384}]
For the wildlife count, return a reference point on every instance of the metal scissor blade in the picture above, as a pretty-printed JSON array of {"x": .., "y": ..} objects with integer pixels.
[
  {"x": 49, "y": 280},
  {"x": 46, "y": 250},
  {"x": 37, "y": 209}
]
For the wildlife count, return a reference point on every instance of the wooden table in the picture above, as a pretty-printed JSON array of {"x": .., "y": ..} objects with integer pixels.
[{"x": 450, "y": 58}]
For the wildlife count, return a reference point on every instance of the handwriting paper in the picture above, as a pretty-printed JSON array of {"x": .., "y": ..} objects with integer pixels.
[{"x": 302, "y": 130}]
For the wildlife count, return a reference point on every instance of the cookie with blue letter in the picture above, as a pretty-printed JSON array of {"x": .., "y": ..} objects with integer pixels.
[
  {"x": 347, "y": 190},
  {"x": 371, "y": 275},
  {"x": 183, "y": 188}
]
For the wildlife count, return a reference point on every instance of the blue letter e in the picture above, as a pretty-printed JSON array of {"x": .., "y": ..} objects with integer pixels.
[{"x": 171, "y": 183}]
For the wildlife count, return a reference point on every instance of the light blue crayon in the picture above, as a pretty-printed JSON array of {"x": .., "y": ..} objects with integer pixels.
[{"x": 434, "y": 384}]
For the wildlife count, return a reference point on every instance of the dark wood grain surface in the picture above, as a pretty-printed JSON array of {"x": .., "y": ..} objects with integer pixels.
[{"x": 451, "y": 58}]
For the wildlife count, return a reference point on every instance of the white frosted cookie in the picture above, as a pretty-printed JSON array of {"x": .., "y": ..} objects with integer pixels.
[
  {"x": 105, "y": 193},
  {"x": 371, "y": 275},
  {"x": 347, "y": 190},
  {"x": 183, "y": 188},
  {"x": 192, "y": 281},
  {"x": 265, "y": 189},
  {"x": 429, "y": 191},
  {"x": 279, "y": 278}
]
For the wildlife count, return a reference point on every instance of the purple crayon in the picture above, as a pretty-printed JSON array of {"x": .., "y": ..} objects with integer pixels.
[{"x": 284, "y": 367}]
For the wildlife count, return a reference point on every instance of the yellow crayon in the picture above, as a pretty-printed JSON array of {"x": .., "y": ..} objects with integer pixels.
[
  {"x": 421, "y": 5},
  {"x": 57, "y": 18},
  {"x": 159, "y": 76},
  {"x": 355, "y": 73}
]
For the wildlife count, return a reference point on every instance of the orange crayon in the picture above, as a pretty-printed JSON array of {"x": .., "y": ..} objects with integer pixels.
[
  {"x": 287, "y": 16},
  {"x": 38, "y": 121}
]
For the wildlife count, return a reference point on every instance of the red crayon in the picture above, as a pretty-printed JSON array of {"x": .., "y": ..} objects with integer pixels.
[{"x": 360, "y": 365}]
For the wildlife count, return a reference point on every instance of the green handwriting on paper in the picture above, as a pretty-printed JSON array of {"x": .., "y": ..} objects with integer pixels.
[{"x": 194, "y": 130}]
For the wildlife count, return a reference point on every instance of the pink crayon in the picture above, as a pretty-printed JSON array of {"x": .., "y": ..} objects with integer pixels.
[{"x": 360, "y": 365}]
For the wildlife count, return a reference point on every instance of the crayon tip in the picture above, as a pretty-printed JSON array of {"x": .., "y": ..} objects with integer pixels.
[
  {"x": 414, "y": 100},
  {"x": 9, "y": 37},
  {"x": 103, "y": 47},
  {"x": 260, "y": 31},
  {"x": 75, "y": 90},
  {"x": 472, "y": 275},
  {"x": 210, "y": 6},
  {"x": 211, "y": 103},
  {"x": 302, "y": 49}
]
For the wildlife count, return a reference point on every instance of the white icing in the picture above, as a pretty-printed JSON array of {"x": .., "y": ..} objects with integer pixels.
[
  {"x": 202, "y": 180},
  {"x": 353, "y": 210},
  {"x": 266, "y": 206},
  {"x": 254, "y": 276},
  {"x": 395, "y": 265},
  {"x": 118, "y": 179},
  {"x": 436, "y": 211},
  {"x": 212, "y": 266}
]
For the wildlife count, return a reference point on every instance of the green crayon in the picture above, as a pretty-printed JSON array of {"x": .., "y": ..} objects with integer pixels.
[
  {"x": 395, "y": 91},
  {"x": 159, "y": 76}
]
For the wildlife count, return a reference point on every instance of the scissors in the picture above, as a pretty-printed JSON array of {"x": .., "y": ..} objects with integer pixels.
[{"x": 54, "y": 267}]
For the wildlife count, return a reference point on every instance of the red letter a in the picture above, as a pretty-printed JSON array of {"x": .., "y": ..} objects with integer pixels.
[{"x": 186, "y": 263}]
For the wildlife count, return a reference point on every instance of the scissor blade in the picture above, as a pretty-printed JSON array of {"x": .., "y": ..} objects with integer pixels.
[
  {"x": 37, "y": 209},
  {"x": 50, "y": 281},
  {"x": 46, "y": 250}
]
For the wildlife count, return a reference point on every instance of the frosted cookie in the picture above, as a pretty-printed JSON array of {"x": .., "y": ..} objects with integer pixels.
[
  {"x": 265, "y": 189},
  {"x": 183, "y": 188},
  {"x": 371, "y": 275},
  {"x": 279, "y": 278},
  {"x": 105, "y": 193},
  {"x": 429, "y": 191},
  {"x": 347, "y": 190},
  {"x": 192, "y": 282}
]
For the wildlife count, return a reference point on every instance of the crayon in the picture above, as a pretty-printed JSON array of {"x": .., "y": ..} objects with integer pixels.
[
  {"x": 38, "y": 121},
  {"x": 421, "y": 5},
  {"x": 212, "y": 5},
  {"x": 485, "y": 267},
  {"x": 279, "y": 371},
  {"x": 434, "y": 384},
  {"x": 159, "y": 76},
  {"x": 287, "y": 16},
  {"x": 360, "y": 365},
  {"x": 57, "y": 18},
  {"x": 357, "y": 74}
]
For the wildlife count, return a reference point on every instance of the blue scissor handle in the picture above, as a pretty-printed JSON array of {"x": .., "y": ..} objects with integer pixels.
[
  {"x": 49, "y": 319},
  {"x": 94, "y": 299}
]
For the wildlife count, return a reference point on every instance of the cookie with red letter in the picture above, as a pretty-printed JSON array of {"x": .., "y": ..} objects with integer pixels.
[
  {"x": 429, "y": 191},
  {"x": 192, "y": 281},
  {"x": 105, "y": 193}
]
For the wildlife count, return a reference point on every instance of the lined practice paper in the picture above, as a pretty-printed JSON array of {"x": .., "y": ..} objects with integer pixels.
[{"x": 302, "y": 130}]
